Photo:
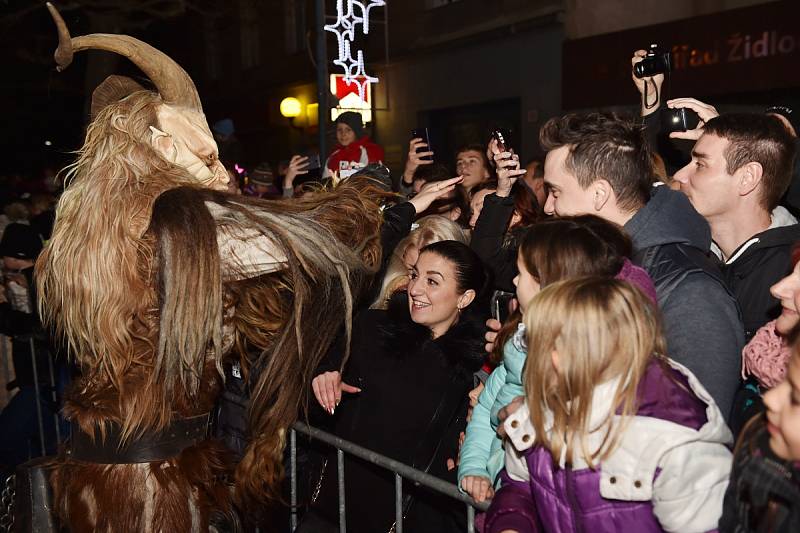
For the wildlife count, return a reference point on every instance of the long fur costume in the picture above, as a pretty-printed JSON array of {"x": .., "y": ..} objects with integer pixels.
[{"x": 153, "y": 281}]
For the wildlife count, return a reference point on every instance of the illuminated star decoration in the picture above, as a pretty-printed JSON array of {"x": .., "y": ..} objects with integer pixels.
[{"x": 349, "y": 14}]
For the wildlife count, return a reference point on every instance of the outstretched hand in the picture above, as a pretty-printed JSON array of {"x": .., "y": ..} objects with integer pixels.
[
  {"x": 328, "y": 388},
  {"x": 432, "y": 191}
]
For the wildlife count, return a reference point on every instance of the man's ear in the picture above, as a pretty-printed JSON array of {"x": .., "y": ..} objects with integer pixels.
[
  {"x": 602, "y": 193},
  {"x": 162, "y": 142},
  {"x": 454, "y": 214},
  {"x": 750, "y": 175}
]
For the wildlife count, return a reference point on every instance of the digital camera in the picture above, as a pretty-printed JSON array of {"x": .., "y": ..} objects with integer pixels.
[{"x": 655, "y": 62}]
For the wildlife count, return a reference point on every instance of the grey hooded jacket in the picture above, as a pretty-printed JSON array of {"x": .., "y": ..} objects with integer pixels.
[{"x": 702, "y": 322}]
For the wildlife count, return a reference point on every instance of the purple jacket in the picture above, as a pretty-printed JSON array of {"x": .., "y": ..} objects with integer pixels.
[{"x": 677, "y": 438}]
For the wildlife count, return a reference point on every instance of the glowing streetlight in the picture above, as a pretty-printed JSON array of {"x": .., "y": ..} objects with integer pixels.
[{"x": 291, "y": 107}]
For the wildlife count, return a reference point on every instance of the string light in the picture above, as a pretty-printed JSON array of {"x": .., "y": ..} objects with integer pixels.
[{"x": 347, "y": 21}]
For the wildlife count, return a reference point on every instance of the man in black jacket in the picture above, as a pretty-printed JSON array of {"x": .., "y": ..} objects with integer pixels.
[
  {"x": 741, "y": 166},
  {"x": 601, "y": 164}
]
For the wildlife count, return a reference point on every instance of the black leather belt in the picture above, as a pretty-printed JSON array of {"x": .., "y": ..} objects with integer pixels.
[{"x": 152, "y": 446}]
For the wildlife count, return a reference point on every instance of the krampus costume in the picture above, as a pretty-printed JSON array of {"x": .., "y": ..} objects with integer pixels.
[{"x": 155, "y": 280}]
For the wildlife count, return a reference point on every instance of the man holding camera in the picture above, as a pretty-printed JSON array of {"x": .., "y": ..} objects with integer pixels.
[{"x": 740, "y": 168}]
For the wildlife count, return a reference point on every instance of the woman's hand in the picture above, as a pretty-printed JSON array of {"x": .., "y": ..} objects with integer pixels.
[
  {"x": 415, "y": 159},
  {"x": 433, "y": 191},
  {"x": 479, "y": 487},
  {"x": 704, "y": 111},
  {"x": 328, "y": 388},
  {"x": 297, "y": 166},
  {"x": 493, "y": 326},
  {"x": 508, "y": 169}
]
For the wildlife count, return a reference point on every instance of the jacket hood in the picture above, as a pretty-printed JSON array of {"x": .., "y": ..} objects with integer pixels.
[
  {"x": 668, "y": 218},
  {"x": 462, "y": 344},
  {"x": 784, "y": 231}
]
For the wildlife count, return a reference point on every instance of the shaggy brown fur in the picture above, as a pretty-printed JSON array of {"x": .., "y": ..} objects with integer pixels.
[{"x": 133, "y": 281}]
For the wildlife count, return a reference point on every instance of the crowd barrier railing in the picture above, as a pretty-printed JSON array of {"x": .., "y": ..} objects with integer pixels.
[{"x": 401, "y": 471}]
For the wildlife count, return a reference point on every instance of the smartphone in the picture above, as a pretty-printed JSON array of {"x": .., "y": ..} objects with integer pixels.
[
  {"x": 422, "y": 133},
  {"x": 313, "y": 162},
  {"x": 503, "y": 139},
  {"x": 501, "y": 305}
]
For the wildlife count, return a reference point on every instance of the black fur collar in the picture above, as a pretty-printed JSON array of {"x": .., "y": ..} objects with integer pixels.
[{"x": 462, "y": 345}]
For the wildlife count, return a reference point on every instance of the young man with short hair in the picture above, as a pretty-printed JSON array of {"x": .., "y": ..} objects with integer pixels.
[
  {"x": 600, "y": 163},
  {"x": 741, "y": 166}
]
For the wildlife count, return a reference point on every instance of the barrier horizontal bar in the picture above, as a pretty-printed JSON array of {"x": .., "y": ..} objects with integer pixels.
[{"x": 412, "y": 474}]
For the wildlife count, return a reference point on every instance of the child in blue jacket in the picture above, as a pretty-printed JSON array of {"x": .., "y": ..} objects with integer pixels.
[{"x": 551, "y": 250}]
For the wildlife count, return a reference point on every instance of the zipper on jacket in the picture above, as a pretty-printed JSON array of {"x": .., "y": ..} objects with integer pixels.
[{"x": 573, "y": 502}]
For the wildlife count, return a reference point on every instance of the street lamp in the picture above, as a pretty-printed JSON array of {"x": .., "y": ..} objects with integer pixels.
[{"x": 291, "y": 107}]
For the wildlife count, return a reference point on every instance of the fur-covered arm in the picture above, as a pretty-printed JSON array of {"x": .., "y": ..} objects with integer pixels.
[{"x": 244, "y": 251}]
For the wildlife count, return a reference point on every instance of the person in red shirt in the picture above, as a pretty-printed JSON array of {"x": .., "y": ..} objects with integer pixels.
[{"x": 354, "y": 150}]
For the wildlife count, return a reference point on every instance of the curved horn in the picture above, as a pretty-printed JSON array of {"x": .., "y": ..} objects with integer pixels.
[{"x": 173, "y": 83}]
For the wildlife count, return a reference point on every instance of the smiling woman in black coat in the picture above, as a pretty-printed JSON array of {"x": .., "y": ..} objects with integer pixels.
[{"x": 404, "y": 392}]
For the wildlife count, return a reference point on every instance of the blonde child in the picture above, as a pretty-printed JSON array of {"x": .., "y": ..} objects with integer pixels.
[
  {"x": 613, "y": 436},
  {"x": 550, "y": 251}
]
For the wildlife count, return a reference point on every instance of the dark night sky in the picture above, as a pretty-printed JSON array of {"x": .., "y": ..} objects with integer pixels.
[{"x": 39, "y": 104}]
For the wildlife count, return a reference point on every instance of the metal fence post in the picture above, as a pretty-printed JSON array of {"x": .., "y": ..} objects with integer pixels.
[
  {"x": 293, "y": 467},
  {"x": 470, "y": 519},
  {"x": 36, "y": 391},
  {"x": 398, "y": 503},
  {"x": 342, "y": 508}
]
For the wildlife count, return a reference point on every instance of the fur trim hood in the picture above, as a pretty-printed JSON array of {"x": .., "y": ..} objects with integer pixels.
[{"x": 462, "y": 345}]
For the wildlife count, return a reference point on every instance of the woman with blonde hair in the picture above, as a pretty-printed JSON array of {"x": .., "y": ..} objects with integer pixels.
[
  {"x": 613, "y": 433},
  {"x": 428, "y": 230}
]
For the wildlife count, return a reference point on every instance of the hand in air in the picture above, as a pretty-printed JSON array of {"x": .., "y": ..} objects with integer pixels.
[
  {"x": 654, "y": 83},
  {"x": 415, "y": 159},
  {"x": 297, "y": 166},
  {"x": 704, "y": 111}
]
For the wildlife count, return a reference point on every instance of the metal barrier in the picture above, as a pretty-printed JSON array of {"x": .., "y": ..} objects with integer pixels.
[{"x": 401, "y": 471}]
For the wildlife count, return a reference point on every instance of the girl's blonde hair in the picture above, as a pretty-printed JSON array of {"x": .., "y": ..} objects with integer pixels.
[
  {"x": 430, "y": 229},
  {"x": 600, "y": 329}
]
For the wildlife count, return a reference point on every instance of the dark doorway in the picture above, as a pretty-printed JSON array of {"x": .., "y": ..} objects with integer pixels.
[{"x": 454, "y": 127}]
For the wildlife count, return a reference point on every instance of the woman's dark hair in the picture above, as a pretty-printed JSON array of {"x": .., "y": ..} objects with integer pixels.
[
  {"x": 560, "y": 248},
  {"x": 470, "y": 272},
  {"x": 567, "y": 247},
  {"x": 525, "y": 204}
]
